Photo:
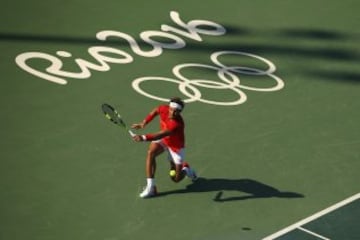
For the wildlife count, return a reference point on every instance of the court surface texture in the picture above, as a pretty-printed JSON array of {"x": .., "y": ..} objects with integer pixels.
[{"x": 272, "y": 119}]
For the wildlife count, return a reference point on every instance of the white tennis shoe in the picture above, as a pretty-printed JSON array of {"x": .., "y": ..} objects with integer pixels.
[
  {"x": 148, "y": 192},
  {"x": 193, "y": 176},
  {"x": 190, "y": 172}
]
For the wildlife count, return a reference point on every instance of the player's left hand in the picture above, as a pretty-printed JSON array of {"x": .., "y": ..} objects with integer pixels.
[{"x": 138, "y": 125}]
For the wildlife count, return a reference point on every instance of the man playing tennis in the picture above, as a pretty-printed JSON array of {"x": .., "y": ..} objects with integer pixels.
[{"x": 170, "y": 138}]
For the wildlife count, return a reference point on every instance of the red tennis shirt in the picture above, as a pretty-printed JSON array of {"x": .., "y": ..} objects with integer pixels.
[{"x": 176, "y": 140}]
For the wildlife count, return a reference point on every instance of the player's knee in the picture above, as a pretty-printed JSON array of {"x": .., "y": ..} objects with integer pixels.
[
  {"x": 151, "y": 153},
  {"x": 176, "y": 180},
  {"x": 179, "y": 177}
]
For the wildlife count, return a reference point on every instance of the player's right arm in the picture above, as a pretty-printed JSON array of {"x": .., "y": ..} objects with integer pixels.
[
  {"x": 171, "y": 129},
  {"x": 152, "y": 136}
]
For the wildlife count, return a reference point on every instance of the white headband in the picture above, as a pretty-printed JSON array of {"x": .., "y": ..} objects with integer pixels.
[{"x": 175, "y": 105}]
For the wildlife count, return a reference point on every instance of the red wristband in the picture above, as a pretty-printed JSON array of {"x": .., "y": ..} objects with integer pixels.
[{"x": 149, "y": 137}]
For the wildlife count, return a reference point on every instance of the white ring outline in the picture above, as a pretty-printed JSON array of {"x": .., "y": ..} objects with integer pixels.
[{"x": 222, "y": 71}]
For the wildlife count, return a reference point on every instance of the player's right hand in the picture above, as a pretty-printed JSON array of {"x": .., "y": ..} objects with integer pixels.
[{"x": 137, "y": 138}]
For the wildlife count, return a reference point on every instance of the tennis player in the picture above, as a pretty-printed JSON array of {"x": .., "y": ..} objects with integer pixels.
[{"x": 170, "y": 139}]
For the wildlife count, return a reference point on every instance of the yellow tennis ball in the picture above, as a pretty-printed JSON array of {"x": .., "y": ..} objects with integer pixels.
[{"x": 172, "y": 173}]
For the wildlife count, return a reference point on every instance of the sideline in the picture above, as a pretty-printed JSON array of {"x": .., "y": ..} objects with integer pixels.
[{"x": 313, "y": 217}]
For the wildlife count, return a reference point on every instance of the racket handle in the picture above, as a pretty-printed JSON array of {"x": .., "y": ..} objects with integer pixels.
[{"x": 131, "y": 133}]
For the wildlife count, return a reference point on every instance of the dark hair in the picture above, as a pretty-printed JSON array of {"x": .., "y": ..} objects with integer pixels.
[{"x": 178, "y": 101}]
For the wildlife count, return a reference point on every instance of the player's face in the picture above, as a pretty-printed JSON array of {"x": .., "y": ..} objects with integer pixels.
[{"x": 173, "y": 112}]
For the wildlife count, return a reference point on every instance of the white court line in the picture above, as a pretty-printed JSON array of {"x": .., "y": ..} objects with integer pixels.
[
  {"x": 312, "y": 233},
  {"x": 313, "y": 217}
]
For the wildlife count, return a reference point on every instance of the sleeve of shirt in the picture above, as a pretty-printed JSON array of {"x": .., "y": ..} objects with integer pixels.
[{"x": 151, "y": 116}]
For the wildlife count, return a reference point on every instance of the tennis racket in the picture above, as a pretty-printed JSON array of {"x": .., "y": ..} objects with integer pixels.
[{"x": 115, "y": 117}]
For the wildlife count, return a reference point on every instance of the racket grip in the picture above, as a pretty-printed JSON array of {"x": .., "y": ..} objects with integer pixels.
[{"x": 131, "y": 133}]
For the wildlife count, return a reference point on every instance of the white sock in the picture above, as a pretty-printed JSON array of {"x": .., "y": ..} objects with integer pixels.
[
  {"x": 150, "y": 182},
  {"x": 187, "y": 171}
]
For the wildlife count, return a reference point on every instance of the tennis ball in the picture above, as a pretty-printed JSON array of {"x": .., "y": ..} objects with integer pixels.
[{"x": 172, "y": 173}]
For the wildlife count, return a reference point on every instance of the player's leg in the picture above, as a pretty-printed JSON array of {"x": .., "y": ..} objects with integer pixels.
[
  {"x": 190, "y": 172},
  {"x": 172, "y": 164},
  {"x": 179, "y": 173},
  {"x": 182, "y": 168},
  {"x": 155, "y": 149}
]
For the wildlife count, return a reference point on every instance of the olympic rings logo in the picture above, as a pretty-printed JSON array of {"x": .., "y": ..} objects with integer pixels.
[
  {"x": 227, "y": 74},
  {"x": 191, "y": 88}
]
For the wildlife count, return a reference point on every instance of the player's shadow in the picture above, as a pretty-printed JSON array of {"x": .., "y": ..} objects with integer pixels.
[{"x": 248, "y": 189}]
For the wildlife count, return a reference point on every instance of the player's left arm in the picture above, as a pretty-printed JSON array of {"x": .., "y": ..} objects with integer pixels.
[{"x": 146, "y": 120}]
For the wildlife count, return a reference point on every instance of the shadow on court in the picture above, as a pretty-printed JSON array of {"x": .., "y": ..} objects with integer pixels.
[{"x": 248, "y": 188}]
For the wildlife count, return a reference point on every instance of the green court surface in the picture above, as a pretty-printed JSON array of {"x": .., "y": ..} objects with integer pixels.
[
  {"x": 338, "y": 221},
  {"x": 272, "y": 118}
]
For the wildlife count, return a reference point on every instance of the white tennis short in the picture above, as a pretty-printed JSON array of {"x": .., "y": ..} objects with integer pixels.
[{"x": 176, "y": 157}]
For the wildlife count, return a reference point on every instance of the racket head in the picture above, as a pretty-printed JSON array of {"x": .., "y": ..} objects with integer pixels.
[{"x": 111, "y": 114}]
